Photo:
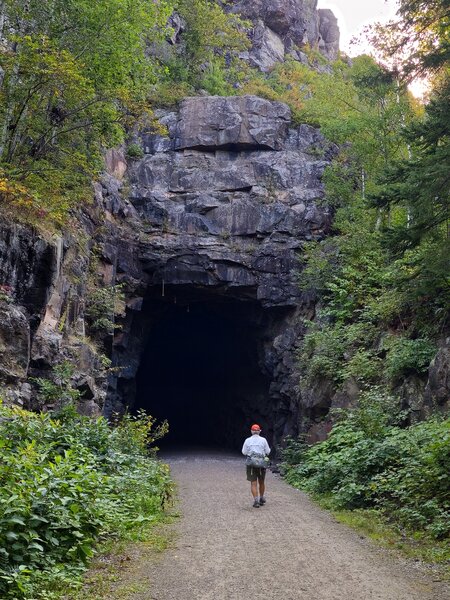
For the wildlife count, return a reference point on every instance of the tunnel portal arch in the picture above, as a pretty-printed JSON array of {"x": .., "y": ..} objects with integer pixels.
[{"x": 208, "y": 362}]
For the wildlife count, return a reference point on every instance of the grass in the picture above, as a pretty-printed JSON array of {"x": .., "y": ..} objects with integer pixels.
[{"x": 375, "y": 525}]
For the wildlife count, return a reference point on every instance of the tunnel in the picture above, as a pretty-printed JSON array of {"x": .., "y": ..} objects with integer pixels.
[{"x": 202, "y": 369}]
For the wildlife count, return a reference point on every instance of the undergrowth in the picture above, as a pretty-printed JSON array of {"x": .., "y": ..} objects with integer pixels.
[
  {"x": 68, "y": 482},
  {"x": 370, "y": 462}
]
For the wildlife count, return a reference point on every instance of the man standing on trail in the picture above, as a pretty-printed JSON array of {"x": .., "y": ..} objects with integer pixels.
[{"x": 256, "y": 449}]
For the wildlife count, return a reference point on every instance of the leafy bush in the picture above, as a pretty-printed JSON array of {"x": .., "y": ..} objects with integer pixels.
[
  {"x": 103, "y": 305},
  {"x": 369, "y": 460},
  {"x": 65, "y": 482},
  {"x": 134, "y": 151},
  {"x": 408, "y": 356}
]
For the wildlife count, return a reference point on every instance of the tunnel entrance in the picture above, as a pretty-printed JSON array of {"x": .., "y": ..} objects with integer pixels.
[{"x": 203, "y": 370}]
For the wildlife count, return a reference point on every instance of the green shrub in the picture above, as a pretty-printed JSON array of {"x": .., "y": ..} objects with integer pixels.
[
  {"x": 134, "y": 151},
  {"x": 407, "y": 356},
  {"x": 369, "y": 460},
  {"x": 65, "y": 482},
  {"x": 322, "y": 352},
  {"x": 103, "y": 305},
  {"x": 363, "y": 366}
]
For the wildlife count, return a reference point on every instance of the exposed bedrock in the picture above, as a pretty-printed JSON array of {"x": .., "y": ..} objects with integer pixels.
[
  {"x": 284, "y": 27},
  {"x": 223, "y": 203},
  {"x": 206, "y": 232}
]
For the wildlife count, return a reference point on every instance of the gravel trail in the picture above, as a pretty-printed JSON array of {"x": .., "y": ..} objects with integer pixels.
[{"x": 287, "y": 550}]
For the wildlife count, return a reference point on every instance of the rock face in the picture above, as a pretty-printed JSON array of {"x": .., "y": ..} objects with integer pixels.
[
  {"x": 205, "y": 233},
  {"x": 284, "y": 27},
  {"x": 238, "y": 123},
  {"x": 237, "y": 188},
  {"x": 223, "y": 204},
  {"x": 40, "y": 305},
  {"x": 437, "y": 390}
]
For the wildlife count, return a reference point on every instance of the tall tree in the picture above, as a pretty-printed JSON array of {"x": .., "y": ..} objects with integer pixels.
[
  {"x": 422, "y": 183},
  {"x": 73, "y": 72}
]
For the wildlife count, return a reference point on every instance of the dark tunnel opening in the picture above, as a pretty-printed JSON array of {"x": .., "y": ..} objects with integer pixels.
[{"x": 201, "y": 370}]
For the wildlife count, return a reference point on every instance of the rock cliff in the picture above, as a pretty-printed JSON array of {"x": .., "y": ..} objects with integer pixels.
[
  {"x": 282, "y": 28},
  {"x": 213, "y": 215},
  {"x": 205, "y": 233},
  {"x": 223, "y": 204}
]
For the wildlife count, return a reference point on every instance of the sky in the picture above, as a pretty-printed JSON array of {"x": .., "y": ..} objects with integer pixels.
[{"x": 353, "y": 15}]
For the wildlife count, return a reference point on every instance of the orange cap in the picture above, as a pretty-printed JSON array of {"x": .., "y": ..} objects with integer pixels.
[{"x": 255, "y": 427}]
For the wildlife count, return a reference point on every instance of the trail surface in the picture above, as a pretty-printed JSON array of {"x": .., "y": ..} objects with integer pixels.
[{"x": 287, "y": 550}]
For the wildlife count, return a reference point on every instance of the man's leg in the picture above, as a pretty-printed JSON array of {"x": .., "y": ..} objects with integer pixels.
[
  {"x": 253, "y": 478},
  {"x": 262, "y": 486}
]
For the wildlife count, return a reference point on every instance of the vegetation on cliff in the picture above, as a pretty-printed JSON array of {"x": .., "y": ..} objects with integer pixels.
[
  {"x": 371, "y": 461},
  {"x": 76, "y": 76},
  {"x": 384, "y": 288},
  {"x": 66, "y": 483},
  {"x": 382, "y": 279}
]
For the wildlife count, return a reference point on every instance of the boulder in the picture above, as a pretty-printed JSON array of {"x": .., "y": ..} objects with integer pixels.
[
  {"x": 329, "y": 34},
  {"x": 237, "y": 122}
]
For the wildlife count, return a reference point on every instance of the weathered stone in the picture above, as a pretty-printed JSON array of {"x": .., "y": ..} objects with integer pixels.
[
  {"x": 177, "y": 26},
  {"x": 115, "y": 163},
  {"x": 238, "y": 122},
  {"x": 27, "y": 265},
  {"x": 411, "y": 393},
  {"x": 329, "y": 34},
  {"x": 89, "y": 408},
  {"x": 280, "y": 27},
  {"x": 268, "y": 48},
  {"x": 437, "y": 391},
  {"x": 14, "y": 342},
  {"x": 46, "y": 347}
]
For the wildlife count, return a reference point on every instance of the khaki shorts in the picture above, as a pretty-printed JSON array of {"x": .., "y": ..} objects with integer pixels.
[{"x": 256, "y": 473}]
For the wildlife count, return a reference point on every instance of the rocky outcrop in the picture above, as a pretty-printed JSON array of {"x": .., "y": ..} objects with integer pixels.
[
  {"x": 329, "y": 34},
  {"x": 42, "y": 289},
  {"x": 437, "y": 390},
  {"x": 229, "y": 195},
  {"x": 238, "y": 123},
  {"x": 220, "y": 208},
  {"x": 284, "y": 27},
  {"x": 206, "y": 230}
]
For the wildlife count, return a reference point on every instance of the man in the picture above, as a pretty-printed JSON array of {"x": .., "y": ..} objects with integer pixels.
[{"x": 258, "y": 447}]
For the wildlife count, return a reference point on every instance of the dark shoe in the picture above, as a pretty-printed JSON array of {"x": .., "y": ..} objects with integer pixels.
[
  {"x": 262, "y": 501},
  {"x": 256, "y": 504}
]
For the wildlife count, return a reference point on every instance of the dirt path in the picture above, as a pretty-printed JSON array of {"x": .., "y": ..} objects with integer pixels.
[{"x": 287, "y": 550}]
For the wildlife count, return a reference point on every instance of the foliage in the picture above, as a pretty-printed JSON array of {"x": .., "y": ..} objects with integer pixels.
[
  {"x": 386, "y": 268},
  {"x": 57, "y": 391},
  {"x": 208, "y": 54},
  {"x": 75, "y": 74},
  {"x": 102, "y": 306},
  {"x": 134, "y": 151},
  {"x": 408, "y": 356},
  {"x": 369, "y": 461},
  {"x": 79, "y": 481},
  {"x": 417, "y": 41}
]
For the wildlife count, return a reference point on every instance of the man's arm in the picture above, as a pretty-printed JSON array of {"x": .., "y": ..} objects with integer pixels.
[
  {"x": 267, "y": 449},
  {"x": 245, "y": 448}
]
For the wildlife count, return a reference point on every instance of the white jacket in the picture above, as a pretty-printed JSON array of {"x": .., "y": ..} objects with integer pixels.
[{"x": 256, "y": 444}]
